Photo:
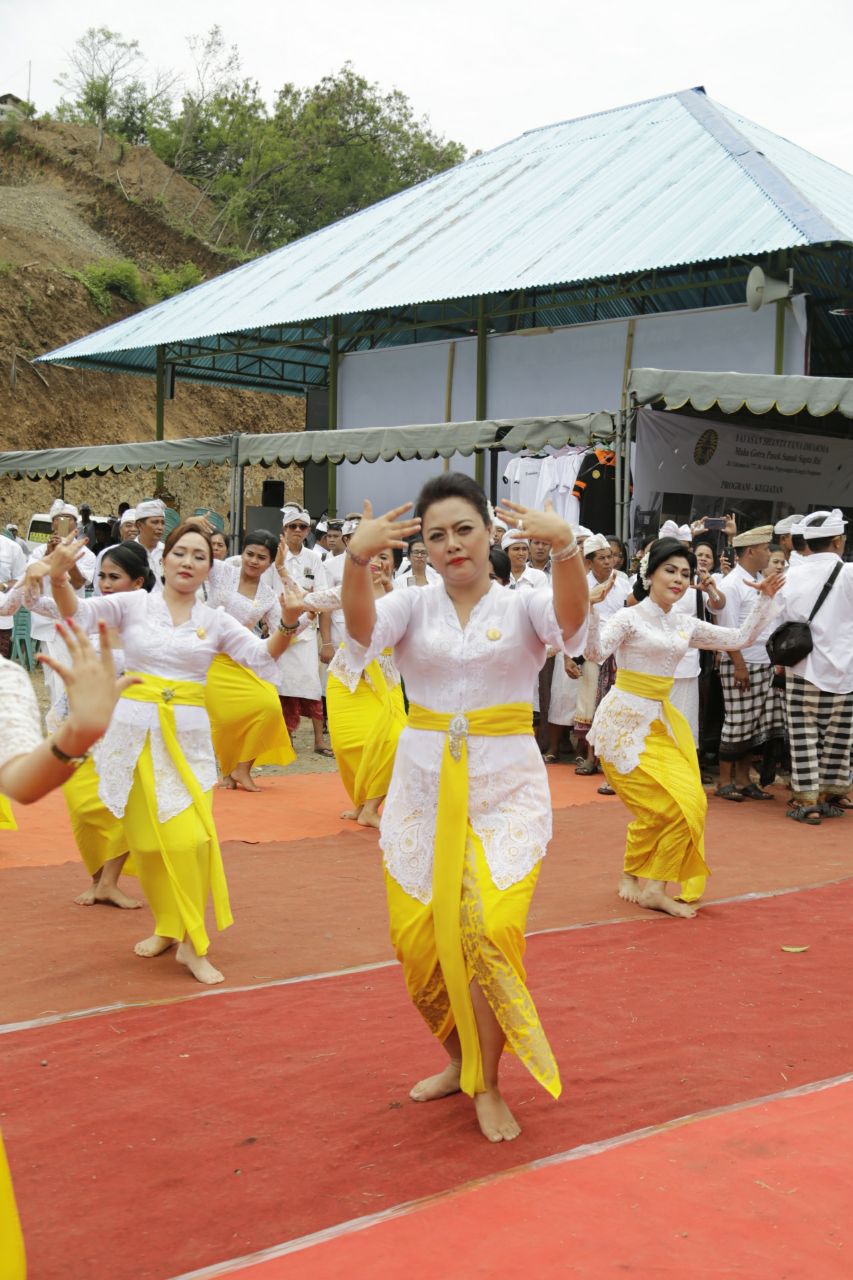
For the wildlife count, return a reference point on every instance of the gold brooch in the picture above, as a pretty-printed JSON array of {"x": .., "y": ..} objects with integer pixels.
[
  {"x": 201, "y": 633},
  {"x": 493, "y": 634},
  {"x": 168, "y": 695}
]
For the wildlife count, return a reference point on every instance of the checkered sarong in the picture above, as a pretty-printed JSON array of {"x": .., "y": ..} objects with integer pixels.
[
  {"x": 820, "y": 725},
  {"x": 753, "y": 716}
]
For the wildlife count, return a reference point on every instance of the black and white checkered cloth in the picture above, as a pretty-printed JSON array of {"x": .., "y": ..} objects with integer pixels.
[
  {"x": 820, "y": 725},
  {"x": 754, "y": 716}
]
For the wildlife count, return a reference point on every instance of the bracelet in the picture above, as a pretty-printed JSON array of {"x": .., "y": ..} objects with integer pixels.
[
  {"x": 327, "y": 644},
  {"x": 363, "y": 561},
  {"x": 287, "y": 630},
  {"x": 565, "y": 553},
  {"x": 73, "y": 762}
]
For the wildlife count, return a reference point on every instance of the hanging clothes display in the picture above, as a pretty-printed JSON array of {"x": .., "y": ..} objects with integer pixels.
[{"x": 595, "y": 490}]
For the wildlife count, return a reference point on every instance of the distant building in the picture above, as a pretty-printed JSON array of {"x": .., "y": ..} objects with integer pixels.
[{"x": 12, "y": 107}]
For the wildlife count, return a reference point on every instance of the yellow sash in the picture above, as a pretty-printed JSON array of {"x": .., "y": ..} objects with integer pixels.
[
  {"x": 451, "y": 834},
  {"x": 658, "y": 688},
  {"x": 7, "y": 818},
  {"x": 168, "y": 694},
  {"x": 380, "y": 746}
]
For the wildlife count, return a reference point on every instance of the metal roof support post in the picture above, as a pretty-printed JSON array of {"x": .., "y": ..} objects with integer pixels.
[
  {"x": 332, "y": 475},
  {"x": 235, "y": 512},
  {"x": 630, "y": 428},
  {"x": 160, "y": 409},
  {"x": 779, "y": 352},
  {"x": 618, "y": 445},
  {"x": 482, "y": 398}
]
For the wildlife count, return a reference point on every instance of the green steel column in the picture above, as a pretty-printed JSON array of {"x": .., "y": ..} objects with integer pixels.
[
  {"x": 332, "y": 474},
  {"x": 482, "y": 384},
  {"x": 779, "y": 357},
  {"x": 160, "y": 411}
]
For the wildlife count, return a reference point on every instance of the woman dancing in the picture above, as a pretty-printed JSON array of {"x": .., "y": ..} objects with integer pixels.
[
  {"x": 100, "y": 838},
  {"x": 29, "y": 769},
  {"x": 245, "y": 713},
  {"x": 155, "y": 765},
  {"x": 467, "y": 818},
  {"x": 644, "y": 743},
  {"x": 367, "y": 713}
]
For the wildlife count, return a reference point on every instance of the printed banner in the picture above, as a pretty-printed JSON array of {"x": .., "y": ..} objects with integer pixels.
[{"x": 678, "y": 454}]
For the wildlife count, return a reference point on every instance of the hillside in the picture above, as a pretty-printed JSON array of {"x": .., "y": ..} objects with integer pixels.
[{"x": 63, "y": 206}]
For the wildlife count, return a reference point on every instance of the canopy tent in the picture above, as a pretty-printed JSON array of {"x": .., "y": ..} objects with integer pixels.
[
  {"x": 786, "y": 394},
  {"x": 784, "y": 441},
  {"x": 301, "y": 447}
]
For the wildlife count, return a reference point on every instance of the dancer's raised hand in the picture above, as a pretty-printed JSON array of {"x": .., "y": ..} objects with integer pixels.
[
  {"x": 375, "y": 534},
  {"x": 57, "y": 562},
  {"x": 292, "y": 601},
  {"x": 602, "y": 589},
  {"x": 545, "y": 525},
  {"x": 90, "y": 683},
  {"x": 767, "y": 586}
]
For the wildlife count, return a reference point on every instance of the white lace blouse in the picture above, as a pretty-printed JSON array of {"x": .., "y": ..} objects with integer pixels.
[
  {"x": 652, "y": 642},
  {"x": 348, "y": 662},
  {"x": 224, "y": 592},
  {"x": 494, "y": 660},
  {"x": 20, "y": 722},
  {"x": 154, "y": 645}
]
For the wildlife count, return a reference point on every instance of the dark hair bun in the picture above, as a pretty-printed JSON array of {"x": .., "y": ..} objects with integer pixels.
[{"x": 133, "y": 559}]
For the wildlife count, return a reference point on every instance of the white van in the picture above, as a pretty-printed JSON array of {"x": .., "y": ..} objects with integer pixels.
[{"x": 41, "y": 526}]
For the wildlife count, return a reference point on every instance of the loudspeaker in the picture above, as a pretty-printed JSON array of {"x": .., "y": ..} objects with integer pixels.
[
  {"x": 315, "y": 487},
  {"x": 272, "y": 493},
  {"x": 761, "y": 289}
]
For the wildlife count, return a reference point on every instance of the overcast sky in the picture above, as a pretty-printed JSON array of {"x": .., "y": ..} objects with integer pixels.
[{"x": 484, "y": 71}]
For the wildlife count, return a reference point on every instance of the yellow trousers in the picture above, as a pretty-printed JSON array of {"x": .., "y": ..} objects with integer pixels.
[
  {"x": 13, "y": 1263},
  {"x": 666, "y": 839},
  {"x": 176, "y": 861},
  {"x": 99, "y": 834},
  {"x": 245, "y": 717},
  {"x": 492, "y": 923},
  {"x": 364, "y": 727}
]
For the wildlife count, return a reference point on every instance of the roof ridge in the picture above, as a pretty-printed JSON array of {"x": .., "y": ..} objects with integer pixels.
[
  {"x": 791, "y": 202},
  {"x": 605, "y": 111}
]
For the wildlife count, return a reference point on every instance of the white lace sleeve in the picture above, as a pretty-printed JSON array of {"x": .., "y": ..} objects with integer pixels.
[
  {"x": 706, "y": 635},
  {"x": 602, "y": 641},
  {"x": 539, "y": 606},
  {"x": 45, "y": 607},
  {"x": 326, "y": 601},
  {"x": 20, "y": 723},
  {"x": 11, "y": 600},
  {"x": 393, "y": 614}
]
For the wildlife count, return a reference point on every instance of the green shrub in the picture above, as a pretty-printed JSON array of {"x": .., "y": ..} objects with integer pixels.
[
  {"x": 6, "y": 267},
  {"x": 109, "y": 276},
  {"x": 165, "y": 284}
]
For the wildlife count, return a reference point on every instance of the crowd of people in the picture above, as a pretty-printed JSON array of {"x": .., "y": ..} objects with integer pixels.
[{"x": 452, "y": 654}]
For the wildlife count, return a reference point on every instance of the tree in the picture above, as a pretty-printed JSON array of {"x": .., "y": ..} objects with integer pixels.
[{"x": 105, "y": 83}]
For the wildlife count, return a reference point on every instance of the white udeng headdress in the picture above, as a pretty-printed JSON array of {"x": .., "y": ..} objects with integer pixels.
[
  {"x": 597, "y": 542},
  {"x": 514, "y": 535},
  {"x": 290, "y": 515},
  {"x": 681, "y": 532},
  {"x": 833, "y": 525},
  {"x": 128, "y": 517},
  {"x": 150, "y": 509}
]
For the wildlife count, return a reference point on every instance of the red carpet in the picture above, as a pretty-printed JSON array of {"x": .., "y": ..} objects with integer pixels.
[
  {"x": 247, "y": 1119},
  {"x": 762, "y": 1192}
]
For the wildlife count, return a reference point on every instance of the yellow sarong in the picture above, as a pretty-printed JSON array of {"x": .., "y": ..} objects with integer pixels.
[
  {"x": 190, "y": 894},
  {"x": 666, "y": 840},
  {"x": 364, "y": 727},
  {"x": 459, "y": 889},
  {"x": 99, "y": 834},
  {"x": 13, "y": 1264},
  {"x": 245, "y": 717},
  {"x": 7, "y": 817}
]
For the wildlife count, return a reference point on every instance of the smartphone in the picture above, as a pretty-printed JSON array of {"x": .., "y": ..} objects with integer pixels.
[
  {"x": 715, "y": 522},
  {"x": 63, "y": 525}
]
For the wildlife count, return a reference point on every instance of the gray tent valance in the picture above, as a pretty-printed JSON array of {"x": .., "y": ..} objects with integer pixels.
[
  {"x": 786, "y": 394},
  {"x": 429, "y": 441},
  {"x": 159, "y": 455}
]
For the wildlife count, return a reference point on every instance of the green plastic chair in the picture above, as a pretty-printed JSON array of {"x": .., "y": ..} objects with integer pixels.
[{"x": 24, "y": 647}]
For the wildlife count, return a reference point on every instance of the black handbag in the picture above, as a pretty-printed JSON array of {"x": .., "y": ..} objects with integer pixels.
[{"x": 792, "y": 642}]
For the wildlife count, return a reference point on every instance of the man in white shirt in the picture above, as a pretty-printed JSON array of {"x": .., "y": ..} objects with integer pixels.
[
  {"x": 300, "y": 690},
  {"x": 64, "y": 521},
  {"x": 819, "y": 689},
  {"x": 523, "y": 576},
  {"x": 754, "y": 718},
  {"x": 150, "y": 527},
  {"x": 13, "y": 562}
]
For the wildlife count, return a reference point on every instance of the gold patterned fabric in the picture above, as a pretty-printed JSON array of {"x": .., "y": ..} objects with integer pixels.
[{"x": 491, "y": 930}]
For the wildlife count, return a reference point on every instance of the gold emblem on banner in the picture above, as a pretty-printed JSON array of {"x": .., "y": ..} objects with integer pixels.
[{"x": 706, "y": 447}]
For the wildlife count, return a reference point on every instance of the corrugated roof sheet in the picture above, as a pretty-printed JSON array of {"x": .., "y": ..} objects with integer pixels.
[{"x": 671, "y": 181}]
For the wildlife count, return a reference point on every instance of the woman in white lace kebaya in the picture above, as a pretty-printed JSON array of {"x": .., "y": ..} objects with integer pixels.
[
  {"x": 467, "y": 818},
  {"x": 366, "y": 708},
  {"x": 645, "y": 745},
  {"x": 245, "y": 713},
  {"x": 155, "y": 765}
]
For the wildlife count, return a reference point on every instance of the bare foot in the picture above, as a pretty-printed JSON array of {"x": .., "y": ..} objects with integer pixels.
[
  {"x": 153, "y": 946},
  {"x": 440, "y": 1086},
  {"x": 368, "y": 818},
  {"x": 228, "y": 784},
  {"x": 111, "y": 894},
  {"x": 242, "y": 776},
  {"x": 629, "y": 889},
  {"x": 496, "y": 1121},
  {"x": 87, "y": 897},
  {"x": 351, "y": 815},
  {"x": 199, "y": 966},
  {"x": 658, "y": 900}
]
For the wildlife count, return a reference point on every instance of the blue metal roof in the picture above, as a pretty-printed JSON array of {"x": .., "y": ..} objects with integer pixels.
[{"x": 664, "y": 183}]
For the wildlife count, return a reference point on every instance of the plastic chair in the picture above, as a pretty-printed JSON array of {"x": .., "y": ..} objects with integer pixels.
[{"x": 23, "y": 646}]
